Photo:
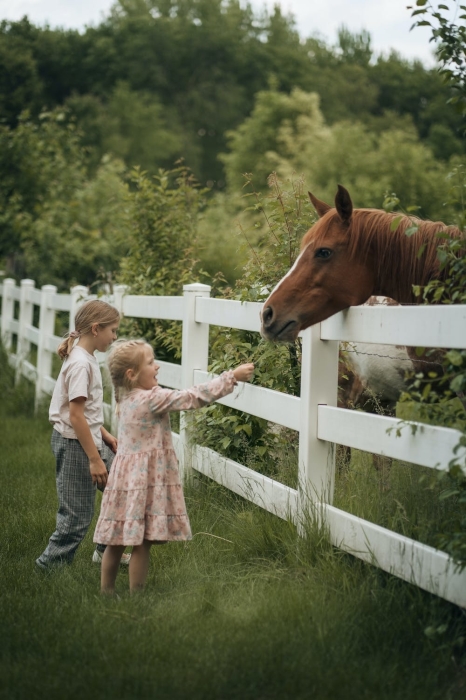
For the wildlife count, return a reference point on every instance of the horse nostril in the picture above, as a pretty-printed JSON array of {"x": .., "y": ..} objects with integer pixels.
[{"x": 267, "y": 316}]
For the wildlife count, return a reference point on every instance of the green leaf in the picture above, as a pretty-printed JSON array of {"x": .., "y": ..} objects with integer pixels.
[
  {"x": 245, "y": 427},
  {"x": 395, "y": 222},
  {"x": 455, "y": 357},
  {"x": 457, "y": 383},
  {"x": 447, "y": 493}
]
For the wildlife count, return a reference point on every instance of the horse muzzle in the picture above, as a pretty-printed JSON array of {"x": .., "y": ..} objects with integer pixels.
[{"x": 277, "y": 330}]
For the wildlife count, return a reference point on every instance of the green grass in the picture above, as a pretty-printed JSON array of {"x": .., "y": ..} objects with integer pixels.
[{"x": 247, "y": 610}]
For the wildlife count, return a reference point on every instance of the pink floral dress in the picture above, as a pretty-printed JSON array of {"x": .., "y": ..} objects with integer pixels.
[{"x": 143, "y": 498}]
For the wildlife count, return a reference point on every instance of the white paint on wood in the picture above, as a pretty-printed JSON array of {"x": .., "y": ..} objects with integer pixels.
[
  {"x": 137, "y": 306},
  {"x": 229, "y": 313},
  {"x": 416, "y": 326},
  {"x": 60, "y": 302},
  {"x": 169, "y": 375},
  {"x": 32, "y": 334},
  {"x": 412, "y": 561},
  {"x": 319, "y": 385},
  {"x": 426, "y": 445}
]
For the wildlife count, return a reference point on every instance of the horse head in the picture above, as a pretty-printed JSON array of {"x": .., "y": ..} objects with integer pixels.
[{"x": 326, "y": 277}]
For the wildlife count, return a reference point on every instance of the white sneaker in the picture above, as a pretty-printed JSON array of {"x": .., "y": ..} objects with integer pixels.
[{"x": 97, "y": 558}]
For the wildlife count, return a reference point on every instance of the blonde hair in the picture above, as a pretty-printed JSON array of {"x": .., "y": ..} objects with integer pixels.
[
  {"x": 125, "y": 355},
  {"x": 95, "y": 311}
]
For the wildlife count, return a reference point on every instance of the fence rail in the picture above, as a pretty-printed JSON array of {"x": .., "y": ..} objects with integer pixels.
[{"x": 314, "y": 414}]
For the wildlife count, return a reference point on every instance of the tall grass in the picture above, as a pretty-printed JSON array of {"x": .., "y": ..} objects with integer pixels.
[{"x": 246, "y": 610}]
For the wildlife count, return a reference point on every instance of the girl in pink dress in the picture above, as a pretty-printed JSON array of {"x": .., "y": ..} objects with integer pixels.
[{"x": 143, "y": 502}]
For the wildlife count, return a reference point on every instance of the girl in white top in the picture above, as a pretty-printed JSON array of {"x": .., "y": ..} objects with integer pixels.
[{"x": 79, "y": 440}]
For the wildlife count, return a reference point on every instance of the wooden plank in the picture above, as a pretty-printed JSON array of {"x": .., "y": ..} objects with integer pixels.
[
  {"x": 170, "y": 375},
  {"x": 138, "y": 306},
  {"x": 48, "y": 385},
  {"x": 258, "y": 489},
  {"x": 177, "y": 445},
  {"x": 426, "y": 445},
  {"x": 32, "y": 334},
  {"x": 107, "y": 413},
  {"x": 52, "y": 342},
  {"x": 35, "y": 296},
  {"x": 273, "y": 406},
  {"x": 60, "y": 302},
  {"x": 28, "y": 370},
  {"x": 414, "y": 562},
  {"x": 419, "y": 326},
  {"x": 229, "y": 313}
]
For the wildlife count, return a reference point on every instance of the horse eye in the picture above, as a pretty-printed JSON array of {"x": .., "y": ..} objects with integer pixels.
[{"x": 323, "y": 253}]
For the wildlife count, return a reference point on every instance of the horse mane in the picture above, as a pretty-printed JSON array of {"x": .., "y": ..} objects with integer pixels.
[{"x": 397, "y": 256}]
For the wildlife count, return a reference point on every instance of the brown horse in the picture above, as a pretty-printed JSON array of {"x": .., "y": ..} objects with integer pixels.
[{"x": 346, "y": 257}]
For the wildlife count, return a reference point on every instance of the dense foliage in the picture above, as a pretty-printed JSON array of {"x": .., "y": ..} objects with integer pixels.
[
  {"x": 441, "y": 397},
  {"x": 163, "y": 212},
  {"x": 162, "y": 79},
  {"x": 58, "y": 225},
  {"x": 277, "y": 221}
]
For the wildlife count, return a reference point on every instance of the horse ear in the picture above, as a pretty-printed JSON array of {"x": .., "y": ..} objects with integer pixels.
[
  {"x": 343, "y": 204},
  {"x": 320, "y": 207}
]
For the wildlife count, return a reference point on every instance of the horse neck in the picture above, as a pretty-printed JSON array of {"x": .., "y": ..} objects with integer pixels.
[{"x": 395, "y": 260}]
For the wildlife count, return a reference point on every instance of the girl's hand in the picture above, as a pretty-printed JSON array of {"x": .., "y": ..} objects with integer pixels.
[
  {"x": 109, "y": 440},
  {"x": 243, "y": 373},
  {"x": 98, "y": 471}
]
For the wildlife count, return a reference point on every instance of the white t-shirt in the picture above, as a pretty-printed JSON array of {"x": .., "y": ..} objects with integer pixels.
[{"x": 79, "y": 376}]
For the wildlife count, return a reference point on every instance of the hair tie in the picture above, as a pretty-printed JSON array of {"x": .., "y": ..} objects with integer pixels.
[{"x": 74, "y": 334}]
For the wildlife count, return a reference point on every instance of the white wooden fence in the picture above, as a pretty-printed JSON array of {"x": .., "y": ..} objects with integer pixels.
[{"x": 314, "y": 415}]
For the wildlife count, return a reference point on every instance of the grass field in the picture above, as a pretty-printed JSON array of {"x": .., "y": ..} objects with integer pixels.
[{"x": 247, "y": 610}]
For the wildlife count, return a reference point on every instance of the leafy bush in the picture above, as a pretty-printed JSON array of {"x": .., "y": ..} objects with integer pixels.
[
  {"x": 163, "y": 213},
  {"x": 437, "y": 397},
  {"x": 278, "y": 221}
]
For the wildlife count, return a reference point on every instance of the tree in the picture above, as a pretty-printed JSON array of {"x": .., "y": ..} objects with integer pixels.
[
  {"x": 57, "y": 224},
  {"x": 450, "y": 40},
  {"x": 132, "y": 126},
  {"x": 288, "y": 134}
]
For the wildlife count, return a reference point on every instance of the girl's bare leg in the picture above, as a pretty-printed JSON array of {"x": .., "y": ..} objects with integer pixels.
[
  {"x": 110, "y": 562},
  {"x": 139, "y": 566}
]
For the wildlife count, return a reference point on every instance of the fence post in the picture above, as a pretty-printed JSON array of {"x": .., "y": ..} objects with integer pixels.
[
  {"x": 79, "y": 295},
  {"x": 319, "y": 385},
  {"x": 119, "y": 291},
  {"x": 8, "y": 312},
  {"x": 194, "y": 355},
  {"x": 46, "y": 329},
  {"x": 26, "y": 309}
]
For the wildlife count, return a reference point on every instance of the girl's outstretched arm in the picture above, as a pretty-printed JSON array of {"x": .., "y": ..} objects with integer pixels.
[{"x": 166, "y": 400}]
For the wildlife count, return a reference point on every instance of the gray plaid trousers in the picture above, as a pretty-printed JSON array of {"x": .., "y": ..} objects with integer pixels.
[{"x": 76, "y": 498}]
